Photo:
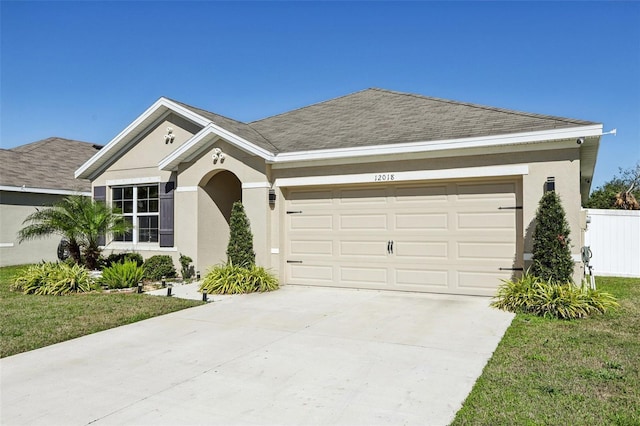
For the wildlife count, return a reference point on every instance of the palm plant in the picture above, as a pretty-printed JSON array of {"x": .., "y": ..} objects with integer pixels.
[{"x": 78, "y": 219}]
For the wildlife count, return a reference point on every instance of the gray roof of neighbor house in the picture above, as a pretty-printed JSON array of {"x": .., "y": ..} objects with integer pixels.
[
  {"x": 47, "y": 164},
  {"x": 378, "y": 117}
]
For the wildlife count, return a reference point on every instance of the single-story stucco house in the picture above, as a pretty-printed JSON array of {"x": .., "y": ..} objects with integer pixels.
[
  {"x": 376, "y": 189},
  {"x": 32, "y": 176}
]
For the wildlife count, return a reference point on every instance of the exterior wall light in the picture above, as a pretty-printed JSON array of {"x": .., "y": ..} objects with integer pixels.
[
  {"x": 272, "y": 197},
  {"x": 550, "y": 184}
]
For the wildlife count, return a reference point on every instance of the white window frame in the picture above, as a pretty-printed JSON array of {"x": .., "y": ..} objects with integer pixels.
[{"x": 134, "y": 215}]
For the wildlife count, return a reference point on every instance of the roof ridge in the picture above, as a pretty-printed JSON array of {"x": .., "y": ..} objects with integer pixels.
[
  {"x": 487, "y": 107},
  {"x": 308, "y": 106}
]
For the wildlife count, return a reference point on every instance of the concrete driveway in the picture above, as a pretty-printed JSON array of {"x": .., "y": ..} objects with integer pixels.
[{"x": 296, "y": 356}]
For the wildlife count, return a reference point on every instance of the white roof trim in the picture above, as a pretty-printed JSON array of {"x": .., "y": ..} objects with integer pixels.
[
  {"x": 190, "y": 148},
  {"x": 416, "y": 175},
  {"x": 411, "y": 147},
  {"x": 116, "y": 143},
  {"x": 43, "y": 190}
]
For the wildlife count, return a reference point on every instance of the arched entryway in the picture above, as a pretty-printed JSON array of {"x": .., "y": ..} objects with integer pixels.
[{"x": 218, "y": 191}]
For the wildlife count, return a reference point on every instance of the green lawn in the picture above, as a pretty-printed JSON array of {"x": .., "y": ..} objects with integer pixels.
[
  {"x": 554, "y": 372},
  {"x": 29, "y": 322}
]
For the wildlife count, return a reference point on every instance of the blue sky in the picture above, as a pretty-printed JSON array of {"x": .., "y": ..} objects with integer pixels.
[{"x": 85, "y": 70}]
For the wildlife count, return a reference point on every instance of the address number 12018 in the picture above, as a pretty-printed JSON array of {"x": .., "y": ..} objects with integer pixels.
[{"x": 384, "y": 177}]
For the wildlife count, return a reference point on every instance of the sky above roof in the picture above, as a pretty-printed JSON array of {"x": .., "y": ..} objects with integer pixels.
[{"x": 85, "y": 70}]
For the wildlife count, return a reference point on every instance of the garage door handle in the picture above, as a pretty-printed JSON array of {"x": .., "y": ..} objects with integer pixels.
[{"x": 390, "y": 246}]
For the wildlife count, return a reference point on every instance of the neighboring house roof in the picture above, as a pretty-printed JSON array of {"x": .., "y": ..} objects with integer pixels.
[{"x": 48, "y": 164}]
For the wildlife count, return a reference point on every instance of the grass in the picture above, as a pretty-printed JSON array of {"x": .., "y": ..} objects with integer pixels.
[
  {"x": 29, "y": 322},
  {"x": 555, "y": 372}
]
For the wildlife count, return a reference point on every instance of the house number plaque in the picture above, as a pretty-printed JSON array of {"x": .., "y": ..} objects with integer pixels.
[{"x": 386, "y": 177}]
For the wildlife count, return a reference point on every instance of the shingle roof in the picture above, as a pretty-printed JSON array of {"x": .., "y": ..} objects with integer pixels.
[
  {"x": 239, "y": 128},
  {"x": 49, "y": 164},
  {"x": 376, "y": 117}
]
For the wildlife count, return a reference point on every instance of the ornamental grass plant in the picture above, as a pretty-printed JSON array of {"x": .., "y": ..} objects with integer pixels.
[
  {"x": 122, "y": 275},
  {"x": 533, "y": 295},
  {"x": 52, "y": 278},
  {"x": 234, "y": 279}
]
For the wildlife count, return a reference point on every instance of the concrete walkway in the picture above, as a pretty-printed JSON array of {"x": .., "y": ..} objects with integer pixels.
[{"x": 297, "y": 356}]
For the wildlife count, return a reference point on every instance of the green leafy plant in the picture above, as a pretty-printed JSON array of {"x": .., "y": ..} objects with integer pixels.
[
  {"x": 187, "y": 269},
  {"x": 122, "y": 275},
  {"x": 551, "y": 243},
  {"x": 124, "y": 256},
  {"x": 530, "y": 294},
  {"x": 51, "y": 278},
  {"x": 158, "y": 266},
  {"x": 234, "y": 279},
  {"x": 81, "y": 221},
  {"x": 240, "y": 248}
]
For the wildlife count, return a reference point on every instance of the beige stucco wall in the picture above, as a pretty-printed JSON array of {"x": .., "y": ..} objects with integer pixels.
[
  {"x": 201, "y": 228},
  {"x": 14, "y": 209},
  {"x": 141, "y": 160}
]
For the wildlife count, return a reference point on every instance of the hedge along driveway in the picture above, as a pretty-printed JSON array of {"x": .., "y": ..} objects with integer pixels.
[{"x": 294, "y": 356}]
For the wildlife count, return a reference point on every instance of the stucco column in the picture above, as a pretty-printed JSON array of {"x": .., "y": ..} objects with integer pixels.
[
  {"x": 256, "y": 204},
  {"x": 186, "y": 223}
]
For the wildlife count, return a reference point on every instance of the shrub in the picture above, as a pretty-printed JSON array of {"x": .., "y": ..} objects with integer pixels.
[
  {"x": 240, "y": 248},
  {"x": 551, "y": 244},
  {"x": 233, "y": 279},
  {"x": 122, "y": 275},
  {"x": 551, "y": 299},
  {"x": 187, "y": 269},
  {"x": 122, "y": 257},
  {"x": 158, "y": 266},
  {"x": 55, "y": 279}
]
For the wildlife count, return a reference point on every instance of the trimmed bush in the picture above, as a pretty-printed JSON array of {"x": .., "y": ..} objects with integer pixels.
[
  {"x": 532, "y": 295},
  {"x": 187, "y": 269},
  {"x": 552, "y": 260},
  {"x": 122, "y": 275},
  {"x": 233, "y": 279},
  {"x": 157, "y": 266},
  {"x": 122, "y": 257},
  {"x": 240, "y": 248},
  {"x": 56, "y": 279}
]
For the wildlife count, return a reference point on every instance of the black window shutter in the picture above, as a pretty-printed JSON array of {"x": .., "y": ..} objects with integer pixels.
[
  {"x": 100, "y": 194},
  {"x": 166, "y": 213}
]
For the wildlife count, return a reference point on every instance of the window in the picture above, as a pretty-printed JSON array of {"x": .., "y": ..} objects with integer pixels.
[{"x": 139, "y": 206}]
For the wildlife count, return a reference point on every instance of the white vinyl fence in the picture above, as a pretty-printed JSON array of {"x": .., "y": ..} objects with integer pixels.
[{"x": 614, "y": 238}]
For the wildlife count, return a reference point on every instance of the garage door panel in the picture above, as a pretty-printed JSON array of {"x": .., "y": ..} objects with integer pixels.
[
  {"x": 311, "y": 273},
  {"x": 350, "y": 197},
  {"x": 363, "y": 248},
  {"x": 363, "y": 276},
  {"x": 310, "y": 198},
  {"x": 479, "y": 281},
  {"x": 311, "y": 247},
  {"x": 421, "y": 194},
  {"x": 422, "y": 279},
  {"x": 493, "y": 252},
  {"x": 367, "y": 222},
  {"x": 421, "y": 221},
  {"x": 422, "y": 250},
  {"x": 498, "y": 191},
  {"x": 311, "y": 222},
  {"x": 486, "y": 220}
]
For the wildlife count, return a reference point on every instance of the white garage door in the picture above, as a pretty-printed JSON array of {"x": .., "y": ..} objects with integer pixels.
[{"x": 448, "y": 237}]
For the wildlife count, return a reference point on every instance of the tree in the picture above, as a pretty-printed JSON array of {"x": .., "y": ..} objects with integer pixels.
[
  {"x": 78, "y": 219},
  {"x": 240, "y": 248},
  {"x": 551, "y": 243},
  {"x": 621, "y": 192}
]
